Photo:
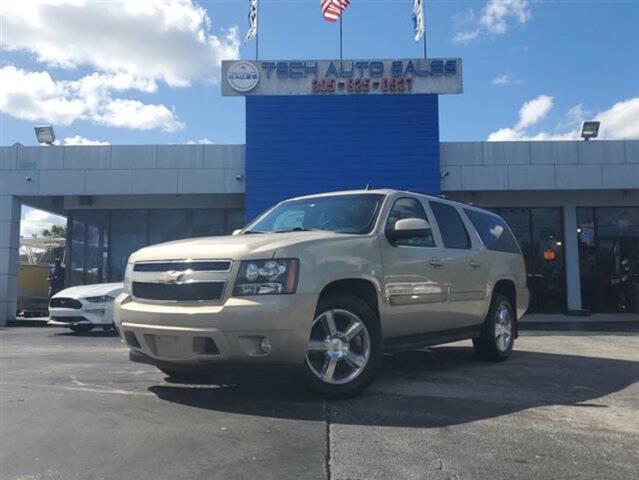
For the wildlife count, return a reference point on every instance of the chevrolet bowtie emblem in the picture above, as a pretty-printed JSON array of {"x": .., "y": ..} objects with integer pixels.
[{"x": 171, "y": 277}]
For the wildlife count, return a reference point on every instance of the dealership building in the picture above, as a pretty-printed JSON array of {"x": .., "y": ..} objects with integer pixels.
[{"x": 317, "y": 126}]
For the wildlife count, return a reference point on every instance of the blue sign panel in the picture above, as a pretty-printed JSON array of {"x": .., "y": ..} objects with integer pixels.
[{"x": 297, "y": 145}]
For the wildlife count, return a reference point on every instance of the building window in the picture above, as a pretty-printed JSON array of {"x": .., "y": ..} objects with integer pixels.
[
  {"x": 100, "y": 241},
  {"x": 609, "y": 258},
  {"x": 539, "y": 232},
  {"x": 129, "y": 232}
]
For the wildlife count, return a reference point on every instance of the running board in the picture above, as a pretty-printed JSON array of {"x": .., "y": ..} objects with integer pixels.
[{"x": 411, "y": 342}]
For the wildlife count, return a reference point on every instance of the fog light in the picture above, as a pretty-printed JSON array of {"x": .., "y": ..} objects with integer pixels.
[{"x": 265, "y": 345}]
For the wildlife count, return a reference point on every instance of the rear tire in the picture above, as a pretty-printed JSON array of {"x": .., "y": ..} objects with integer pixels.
[
  {"x": 345, "y": 348},
  {"x": 497, "y": 337}
]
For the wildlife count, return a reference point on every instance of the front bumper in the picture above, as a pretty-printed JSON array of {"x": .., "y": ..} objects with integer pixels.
[
  {"x": 97, "y": 315},
  {"x": 219, "y": 334}
]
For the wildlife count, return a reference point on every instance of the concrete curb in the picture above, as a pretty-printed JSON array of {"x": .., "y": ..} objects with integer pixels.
[{"x": 576, "y": 326}]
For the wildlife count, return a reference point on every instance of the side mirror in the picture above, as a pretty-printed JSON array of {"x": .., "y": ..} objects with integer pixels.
[
  {"x": 409, "y": 227},
  {"x": 237, "y": 232}
]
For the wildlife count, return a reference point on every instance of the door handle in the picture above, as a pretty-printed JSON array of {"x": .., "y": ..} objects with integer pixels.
[
  {"x": 437, "y": 262},
  {"x": 474, "y": 263}
]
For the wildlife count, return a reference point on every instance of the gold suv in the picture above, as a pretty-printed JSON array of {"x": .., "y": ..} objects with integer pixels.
[{"x": 327, "y": 284}]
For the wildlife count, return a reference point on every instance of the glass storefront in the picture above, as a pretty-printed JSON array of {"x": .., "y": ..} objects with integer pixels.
[
  {"x": 540, "y": 234},
  {"x": 609, "y": 258},
  {"x": 102, "y": 240}
]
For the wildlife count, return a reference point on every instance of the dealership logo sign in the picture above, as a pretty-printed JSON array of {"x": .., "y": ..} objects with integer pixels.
[
  {"x": 243, "y": 76},
  {"x": 342, "y": 77}
]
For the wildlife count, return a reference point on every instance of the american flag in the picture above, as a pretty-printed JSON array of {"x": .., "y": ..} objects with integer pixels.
[{"x": 332, "y": 9}]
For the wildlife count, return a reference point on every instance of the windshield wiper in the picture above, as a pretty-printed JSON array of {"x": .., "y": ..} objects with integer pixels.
[{"x": 299, "y": 229}]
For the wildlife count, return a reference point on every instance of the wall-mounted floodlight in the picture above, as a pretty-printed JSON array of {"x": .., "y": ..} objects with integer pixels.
[
  {"x": 45, "y": 134},
  {"x": 589, "y": 130}
]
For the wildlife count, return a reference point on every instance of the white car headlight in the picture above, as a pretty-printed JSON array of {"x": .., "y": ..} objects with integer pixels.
[
  {"x": 100, "y": 299},
  {"x": 267, "y": 277}
]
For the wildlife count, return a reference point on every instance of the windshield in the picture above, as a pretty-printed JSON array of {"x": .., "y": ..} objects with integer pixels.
[{"x": 339, "y": 214}]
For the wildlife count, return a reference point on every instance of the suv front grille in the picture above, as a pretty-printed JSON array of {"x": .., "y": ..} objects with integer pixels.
[
  {"x": 197, "y": 266},
  {"x": 61, "y": 302},
  {"x": 179, "y": 292}
]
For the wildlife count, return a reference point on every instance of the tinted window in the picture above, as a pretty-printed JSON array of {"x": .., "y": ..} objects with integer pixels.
[
  {"x": 493, "y": 232},
  {"x": 451, "y": 226},
  {"x": 409, "y": 208}
]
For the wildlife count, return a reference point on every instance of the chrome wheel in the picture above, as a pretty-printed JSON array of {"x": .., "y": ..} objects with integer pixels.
[
  {"x": 339, "y": 347},
  {"x": 503, "y": 328}
]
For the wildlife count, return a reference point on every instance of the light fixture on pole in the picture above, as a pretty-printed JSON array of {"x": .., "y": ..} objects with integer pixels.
[
  {"x": 589, "y": 130},
  {"x": 45, "y": 134}
]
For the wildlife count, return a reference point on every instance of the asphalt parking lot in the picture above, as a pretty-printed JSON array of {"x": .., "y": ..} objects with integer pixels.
[{"x": 565, "y": 406}]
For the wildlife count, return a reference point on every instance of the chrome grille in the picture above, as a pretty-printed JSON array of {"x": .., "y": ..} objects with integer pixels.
[
  {"x": 179, "y": 292},
  {"x": 183, "y": 265}
]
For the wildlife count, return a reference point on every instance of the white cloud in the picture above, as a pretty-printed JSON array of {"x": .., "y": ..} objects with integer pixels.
[
  {"x": 533, "y": 111},
  {"x": 620, "y": 122},
  {"x": 129, "y": 46},
  {"x": 505, "y": 79},
  {"x": 574, "y": 118},
  {"x": 36, "y": 97},
  {"x": 148, "y": 39},
  {"x": 34, "y": 221},
  {"x": 78, "y": 140},
  {"x": 501, "y": 80},
  {"x": 137, "y": 115},
  {"x": 201, "y": 141},
  {"x": 494, "y": 19}
]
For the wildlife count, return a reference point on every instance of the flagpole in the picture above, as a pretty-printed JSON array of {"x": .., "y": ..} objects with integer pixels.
[
  {"x": 425, "y": 56},
  {"x": 425, "y": 46},
  {"x": 340, "y": 35},
  {"x": 257, "y": 31}
]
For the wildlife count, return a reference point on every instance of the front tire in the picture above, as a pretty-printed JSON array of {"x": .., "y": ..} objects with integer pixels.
[
  {"x": 344, "y": 349},
  {"x": 498, "y": 333}
]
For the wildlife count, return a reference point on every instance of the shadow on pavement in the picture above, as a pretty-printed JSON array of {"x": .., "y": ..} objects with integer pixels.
[
  {"x": 97, "y": 333},
  {"x": 434, "y": 388}
]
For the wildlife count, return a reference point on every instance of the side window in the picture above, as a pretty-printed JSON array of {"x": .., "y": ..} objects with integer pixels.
[
  {"x": 451, "y": 226},
  {"x": 409, "y": 208},
  {"x": 493, "y": 232}
]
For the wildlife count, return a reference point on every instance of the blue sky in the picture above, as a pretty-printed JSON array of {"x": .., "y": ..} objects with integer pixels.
[{"x": 532, "y": 69}]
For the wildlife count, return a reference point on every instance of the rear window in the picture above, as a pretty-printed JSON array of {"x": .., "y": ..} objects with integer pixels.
[{"x": 493, "y": 231}]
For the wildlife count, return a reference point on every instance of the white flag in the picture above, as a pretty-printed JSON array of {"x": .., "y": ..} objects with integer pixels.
[
  {"x": 418, "y": 19},
  {"x": 252, "y": 18}
]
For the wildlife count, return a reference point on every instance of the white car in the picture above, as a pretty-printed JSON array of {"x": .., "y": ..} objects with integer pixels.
[{"x": 84, "y": 307}]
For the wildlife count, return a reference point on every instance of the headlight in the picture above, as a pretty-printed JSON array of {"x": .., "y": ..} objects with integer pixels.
[
  {"x": 127, "y": 277},
  {"x": 100, "y": 299},
  {"x": 267, "y": 277}
]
